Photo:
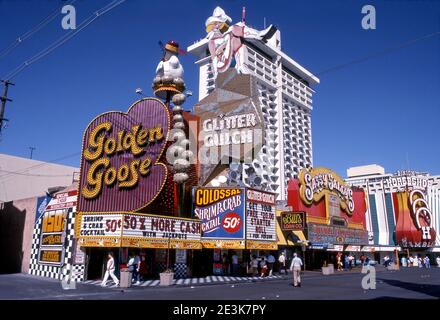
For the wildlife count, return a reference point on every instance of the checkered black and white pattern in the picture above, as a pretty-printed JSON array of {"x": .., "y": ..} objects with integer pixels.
[
  {"x": 193, "y": 281},
  {"x": 68, "y": 270},
  {"x": 180, "y": 270}
]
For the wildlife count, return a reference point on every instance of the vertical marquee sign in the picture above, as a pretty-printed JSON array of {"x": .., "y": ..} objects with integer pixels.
[
  {"x": 53, "y": 228},
  {"x": 260, "y": 220}
]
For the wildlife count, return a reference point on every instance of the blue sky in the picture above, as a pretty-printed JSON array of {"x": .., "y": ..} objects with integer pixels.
[{"x": 385, "y": 110}]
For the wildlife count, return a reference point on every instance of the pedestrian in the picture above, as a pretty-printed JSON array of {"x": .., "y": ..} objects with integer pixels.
[
  {"x": 386, "y": 261},
  {"x": 350, "y": 261},
  {"x": 254, "y": 265},
  {"x": 282, "y": 262},
  {"x": 110, "y": 270},
  {"x": 225, "y": 264},
  {"x": 143, "y": 271},
  {"x": 438, "y": 261},
  {"x": 362, "y": 258},
  {"x": 411, "y": 261},
  {"x": 270, "y": 263},
  {"x": 427, "y": 262},
  {"x": 420, "y": 262},
  {"x": 404, "y": 262},
  {"x": 339, "y": 261},
  {"x": 263, "y": 267},
  {"x": 133, "y": 267},
  {"x": 295, "y": 267},
  {"x": 367, "y": 261},
  {"x": 346, "y": 262},
  {"x": 234, "y": 264}
]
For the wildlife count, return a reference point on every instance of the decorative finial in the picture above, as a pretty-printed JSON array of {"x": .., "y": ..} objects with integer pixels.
[{"x": 169, "y": 73}]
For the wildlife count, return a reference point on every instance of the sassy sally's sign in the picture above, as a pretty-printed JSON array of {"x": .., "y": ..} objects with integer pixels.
[
  {"x": 316, "y": 182},
  {"x": 120, "y": 168}
]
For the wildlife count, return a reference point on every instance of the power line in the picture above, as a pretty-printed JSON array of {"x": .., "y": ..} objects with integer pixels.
[
  {"x": 41, "y": 164},
  {"x": 36, "y": 175},
  {"x": 380, "y": 53},
  {"x": 32, "y": 31},
  {"x": 350, "y": 63},
  {"x": 62, "y": 40}
]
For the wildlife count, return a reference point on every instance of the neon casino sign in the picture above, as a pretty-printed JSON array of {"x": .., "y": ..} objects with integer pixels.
[
  {"x": 420, "y": 212},
  {"x": 120, "y": 168},
  {"x": 315, "y": 183}
]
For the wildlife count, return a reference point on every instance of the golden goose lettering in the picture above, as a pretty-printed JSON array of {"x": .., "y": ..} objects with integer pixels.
[{"x": 100, "y": 148}]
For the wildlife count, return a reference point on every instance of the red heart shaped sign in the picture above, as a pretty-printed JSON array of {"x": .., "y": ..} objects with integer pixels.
[{"x": 119, "y": 163}]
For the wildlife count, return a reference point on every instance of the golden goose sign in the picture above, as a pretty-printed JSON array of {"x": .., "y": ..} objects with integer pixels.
[{"x": 120, "y": 168}]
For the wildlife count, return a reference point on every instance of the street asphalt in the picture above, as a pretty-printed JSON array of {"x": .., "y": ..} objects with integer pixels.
[{"x": 409, "y": 283}]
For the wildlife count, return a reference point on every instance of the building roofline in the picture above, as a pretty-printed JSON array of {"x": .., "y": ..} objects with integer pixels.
[{"x": 200, "y": 46}]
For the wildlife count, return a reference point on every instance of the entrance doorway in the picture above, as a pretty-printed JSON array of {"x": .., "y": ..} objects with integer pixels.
[{"x": 97, "y": 260}]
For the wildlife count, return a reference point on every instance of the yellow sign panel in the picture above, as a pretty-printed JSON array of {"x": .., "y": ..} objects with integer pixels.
[
  {"x": 160, "y": 244},
  {"x": 261, "y": 245},
  {"x": 223, "y": 244},
  {"x": 54, "y": 221},
  {"x": 104, "y": 243}
]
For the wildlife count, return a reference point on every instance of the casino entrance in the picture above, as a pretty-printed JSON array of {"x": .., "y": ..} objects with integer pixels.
[
  {"x": 153, "y": 261},
  {"x": 96, "y": 261}
]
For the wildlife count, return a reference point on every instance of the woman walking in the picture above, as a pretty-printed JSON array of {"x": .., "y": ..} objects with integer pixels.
[{"x": 110, "y": 271}]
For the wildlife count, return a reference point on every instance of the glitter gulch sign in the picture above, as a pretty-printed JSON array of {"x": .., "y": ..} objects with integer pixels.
[{"x": 119, "y": 164}]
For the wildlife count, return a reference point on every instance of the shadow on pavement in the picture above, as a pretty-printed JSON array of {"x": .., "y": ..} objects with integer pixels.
[{"x": 428, "y": 289}]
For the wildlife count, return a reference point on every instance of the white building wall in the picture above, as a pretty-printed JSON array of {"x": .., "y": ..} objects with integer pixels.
[
  {"x": 381, "y": 217},
  {"x": 22, "y": 178}
]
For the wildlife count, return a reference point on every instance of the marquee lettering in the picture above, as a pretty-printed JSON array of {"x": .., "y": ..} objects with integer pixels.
[
  {"x": 315, "y": 183},
  {"x": 101, "y": 147}
]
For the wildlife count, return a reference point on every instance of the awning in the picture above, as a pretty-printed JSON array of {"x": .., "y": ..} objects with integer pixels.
[
  {"x": 336, "y": 247},
  {"x": 353, "y": 248},
  {"x": 318, "y": 246},
  {"x": 291, "y": 238},
  {"x": 387, "y": 249},
  {"x": 435, "y": 249}
]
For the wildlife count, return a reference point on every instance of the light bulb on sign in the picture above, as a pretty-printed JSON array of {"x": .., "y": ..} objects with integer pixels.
[{"x": 222, "y": 179}]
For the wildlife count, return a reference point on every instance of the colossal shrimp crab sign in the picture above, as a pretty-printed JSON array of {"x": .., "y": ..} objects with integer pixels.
[{"x": 120, "y": 168}]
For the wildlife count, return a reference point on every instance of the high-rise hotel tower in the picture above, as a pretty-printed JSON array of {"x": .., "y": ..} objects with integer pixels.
[{"x": 285, "y": 94}]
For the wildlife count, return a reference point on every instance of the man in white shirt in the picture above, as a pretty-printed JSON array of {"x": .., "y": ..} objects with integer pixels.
[
  {"x": 411, "y": 261},
  {"x": 110, "y": 271},
  {"x": 295, "y": 266},
  {"x": 282, "y": 261}
]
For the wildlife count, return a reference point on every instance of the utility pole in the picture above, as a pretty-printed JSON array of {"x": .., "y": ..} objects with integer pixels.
[
  {"x": 4, "y": 98},
  {"x": 32, "y": 151}
]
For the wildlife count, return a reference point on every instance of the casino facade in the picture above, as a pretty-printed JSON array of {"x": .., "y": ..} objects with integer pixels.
[
  {"x": 184, "y": 190},
  {"x": 403, "y": 210}
]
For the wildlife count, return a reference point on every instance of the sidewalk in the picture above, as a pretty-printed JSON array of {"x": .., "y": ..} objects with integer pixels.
[
  {"x": 210, "y": 280},
  {"x": 193, "y": 281}
]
